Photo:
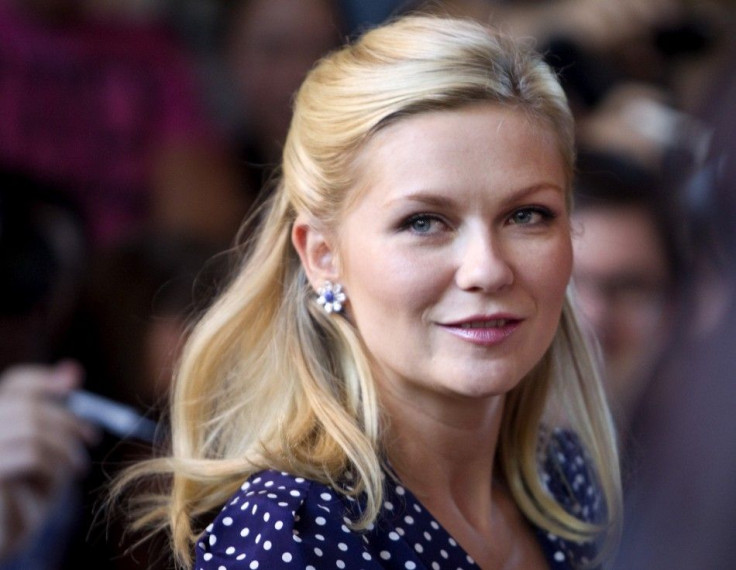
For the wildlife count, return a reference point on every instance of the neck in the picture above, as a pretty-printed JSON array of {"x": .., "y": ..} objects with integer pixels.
[{"x": 447, "y": 459}]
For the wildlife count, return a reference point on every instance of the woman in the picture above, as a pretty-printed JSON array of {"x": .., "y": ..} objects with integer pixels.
[{"x": 394, "y": 377}]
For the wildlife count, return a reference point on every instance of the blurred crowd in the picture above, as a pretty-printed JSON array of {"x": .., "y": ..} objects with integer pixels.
[{"x": 136, "y": 136}]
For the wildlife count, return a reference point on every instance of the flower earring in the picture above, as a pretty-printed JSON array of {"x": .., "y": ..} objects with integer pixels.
[{"x": 330, "y": 297}]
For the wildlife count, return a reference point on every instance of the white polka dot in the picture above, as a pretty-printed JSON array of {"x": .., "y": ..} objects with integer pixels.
[
  {"x": 299, "y": 480},
  {"x": 267, "y": 545},
  {"x": 318, "y": 551},
  {"x": 393, "y": 536},
  {"x": 443, "y": 553},
  {"x": 310, "y": 567},
  {"x": 434, "y": 525},
  {"x": 452, "y": 541},
  {"x": 321, "y": 521},
  {"x": 212, "y": 540},
  {"x": 230, "y": 550},
  {"x": 253, "y": 565},
  {"x": 240, "y": 557},
  {"x": 221, "y": 567},
  {"x": 389, "y": 505},
  {"x": 278, "y": 525},
  {"x": 400, "y": 530},
  {"x": 294, "y": 493},
  {"x": 367, "y": 556},
  {"x": 255, "y": 508},
  {"x": 227, "y": 521},
  {"x": 409, "y": 519},
  {"x": 400, "y": 490},
  {"x": 325, "y": 497},
  {"x": 342, "y": 546},
  {"x": 435, "y": 566},
  {"x": 245, "y": 532},
  {"x": 427, "y": 536},
  {"x": 268, "y": 484},
  {"x": 207, "y": 556},
  {"x": 266, "y": 516},
  {"x": 340, "y": 564},
  {"x": 410, "y": 565},
  {"x": 385, "y": 554},
  {"x": 559, "y": 556},
  {"x": 286, "y": 557},
  {"x": 419, "y": 548},
  {"x": 258, "y": 538}
]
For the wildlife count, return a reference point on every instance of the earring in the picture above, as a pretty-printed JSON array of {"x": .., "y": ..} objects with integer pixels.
[{"x": 330, "y": 297}]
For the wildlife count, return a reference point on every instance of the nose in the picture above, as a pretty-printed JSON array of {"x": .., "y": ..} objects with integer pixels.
[{"x": 483, "y": 265}]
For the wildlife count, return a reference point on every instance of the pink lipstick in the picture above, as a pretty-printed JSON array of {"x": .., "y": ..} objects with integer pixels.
[{"x": 483, "y": 331}]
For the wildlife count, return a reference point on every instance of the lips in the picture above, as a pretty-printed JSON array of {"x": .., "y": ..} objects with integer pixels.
[
  {"x": 483, "y": 331},
  {"x": 494, "y": 323}
]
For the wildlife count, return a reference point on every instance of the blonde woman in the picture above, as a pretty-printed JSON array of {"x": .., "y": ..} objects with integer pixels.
[{"x": 394, "y": 378}]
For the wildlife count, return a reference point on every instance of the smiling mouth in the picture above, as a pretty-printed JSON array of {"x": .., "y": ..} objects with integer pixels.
[
  {"x": 494, "y": 324},
  {"x": 485, "y": 333}
]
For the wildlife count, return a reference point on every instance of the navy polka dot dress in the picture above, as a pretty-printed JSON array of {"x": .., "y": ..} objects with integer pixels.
[{"x": 278, "y": 521}]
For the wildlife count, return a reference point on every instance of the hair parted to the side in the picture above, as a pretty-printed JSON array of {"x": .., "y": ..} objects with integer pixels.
[{"x": 268, "y": 380}]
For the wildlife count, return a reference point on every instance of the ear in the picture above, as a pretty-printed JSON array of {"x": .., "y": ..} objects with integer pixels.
[{"x": 315, "y": 249}]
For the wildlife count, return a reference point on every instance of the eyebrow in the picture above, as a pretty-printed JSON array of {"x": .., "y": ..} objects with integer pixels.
[
  {"x": 424, "y": 197},
  {"x": 439, "y": 200}
]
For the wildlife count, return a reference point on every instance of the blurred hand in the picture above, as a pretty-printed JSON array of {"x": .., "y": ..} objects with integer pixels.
[{"x": 42, "y": 446}]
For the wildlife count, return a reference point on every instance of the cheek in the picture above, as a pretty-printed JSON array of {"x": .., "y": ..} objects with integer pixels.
[
  {"x": 386, "y": 285},
  {"x": 550, "y": 272}
]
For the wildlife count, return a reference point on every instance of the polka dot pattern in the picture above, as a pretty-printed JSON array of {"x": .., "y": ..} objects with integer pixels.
[{"x": 278, "y": 521}]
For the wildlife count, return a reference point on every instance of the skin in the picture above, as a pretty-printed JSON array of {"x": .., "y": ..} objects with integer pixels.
[
  {"x": 43, "y": 446},
  {"x": 460, "y": 213},
  {"x": 622, "y": 278}
]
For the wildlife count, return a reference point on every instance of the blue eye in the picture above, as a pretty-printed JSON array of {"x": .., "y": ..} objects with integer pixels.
[
  {"x": 530, "y": 216},
  {"x": 423, "y": 224}
]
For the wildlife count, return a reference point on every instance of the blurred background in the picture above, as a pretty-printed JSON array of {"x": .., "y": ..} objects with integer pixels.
[{"x": 136, "y": 135}]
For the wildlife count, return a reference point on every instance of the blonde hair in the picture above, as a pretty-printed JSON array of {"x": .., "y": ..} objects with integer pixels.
[{"x": 267, "y": 380}]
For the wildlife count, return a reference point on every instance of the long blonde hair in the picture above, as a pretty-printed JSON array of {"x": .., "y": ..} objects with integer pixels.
[{"x": 267, "y": 380}]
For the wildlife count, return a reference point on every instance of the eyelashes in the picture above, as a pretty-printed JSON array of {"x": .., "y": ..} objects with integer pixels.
[
  {"x": 426, "y": 223},
  {"x": 531, "y": 215}
]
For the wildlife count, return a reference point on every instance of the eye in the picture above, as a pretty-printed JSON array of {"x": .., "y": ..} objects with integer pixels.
[
  {"x": 424, "y": 224},
  {"x": 530, "y": 216}
]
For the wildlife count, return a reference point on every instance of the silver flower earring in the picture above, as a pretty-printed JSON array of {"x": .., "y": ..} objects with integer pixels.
[{"x": 330, "y": 297}]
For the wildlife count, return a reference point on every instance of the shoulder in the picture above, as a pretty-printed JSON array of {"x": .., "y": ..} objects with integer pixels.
[{"x": 277, "y": 519}]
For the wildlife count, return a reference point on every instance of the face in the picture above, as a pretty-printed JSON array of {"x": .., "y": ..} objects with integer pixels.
[
  {"x": 456, "y": 253},
  {"x": 622, "y": 278}
]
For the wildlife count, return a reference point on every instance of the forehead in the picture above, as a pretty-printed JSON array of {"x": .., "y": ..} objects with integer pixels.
[{"x": 482, "y": 143}]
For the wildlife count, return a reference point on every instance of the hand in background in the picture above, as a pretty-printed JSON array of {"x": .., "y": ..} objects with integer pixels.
[{"x": 42, "y": 446}]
